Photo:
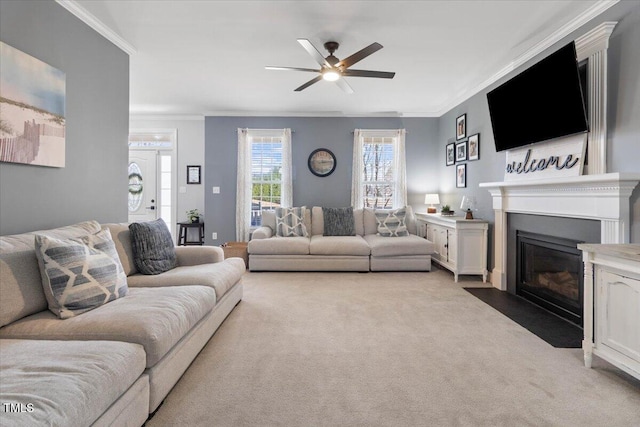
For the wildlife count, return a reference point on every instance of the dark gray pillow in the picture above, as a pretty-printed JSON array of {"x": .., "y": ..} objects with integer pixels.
[
  {"x": 153, "y": 248},
  {"x": 339, "y": 222}
]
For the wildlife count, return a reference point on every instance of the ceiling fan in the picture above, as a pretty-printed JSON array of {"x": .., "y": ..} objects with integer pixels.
[{"x": 333, "y": 69}]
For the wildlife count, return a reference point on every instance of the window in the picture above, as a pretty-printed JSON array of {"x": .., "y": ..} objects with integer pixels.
[
  {"x": 264, "y": 176},
  {"x": 379, "y": 177}
]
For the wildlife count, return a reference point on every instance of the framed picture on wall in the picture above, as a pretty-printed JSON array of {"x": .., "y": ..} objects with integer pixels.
[
  {"x": 461, "y": 151},
  {"x": 451, "y": 154},
  {"x": 193, "y": 174},
  {"x": 461, "y": 127},
  {"x": 473, "y": 147},
  {"x": 461, "y": 175}
]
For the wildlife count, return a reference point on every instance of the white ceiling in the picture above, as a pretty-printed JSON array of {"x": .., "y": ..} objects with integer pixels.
[{"x": 208, "y": 57}]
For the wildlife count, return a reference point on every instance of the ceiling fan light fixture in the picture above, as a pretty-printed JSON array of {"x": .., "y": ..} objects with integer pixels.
[{"x": 331, "y": 75}]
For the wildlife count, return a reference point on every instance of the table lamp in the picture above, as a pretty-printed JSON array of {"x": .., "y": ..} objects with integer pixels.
[
  {"x": 431, "y": 199},
  {"x": 468, "y": 204}
]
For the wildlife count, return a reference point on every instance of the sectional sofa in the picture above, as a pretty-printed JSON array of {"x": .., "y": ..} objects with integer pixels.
[
  {"x": 365, "y": 251},
  {"x": 115, "y": 364}
]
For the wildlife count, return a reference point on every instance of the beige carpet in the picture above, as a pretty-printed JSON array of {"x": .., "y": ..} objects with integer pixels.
[{"x": 387, "y": 349}]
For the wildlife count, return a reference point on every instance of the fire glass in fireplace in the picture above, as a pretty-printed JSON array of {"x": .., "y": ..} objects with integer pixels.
[{"x": 550, "y": 274}]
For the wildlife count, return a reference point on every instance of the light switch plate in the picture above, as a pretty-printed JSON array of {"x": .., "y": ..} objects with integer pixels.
[
  {"x": 216, "y": 190},
  {"x": 214, "y": 236},
  {"x": 182, "y": 190}
]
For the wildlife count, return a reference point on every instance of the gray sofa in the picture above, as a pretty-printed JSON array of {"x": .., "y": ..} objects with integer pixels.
[
  {"x": 366, "y": 251},
  {"x": 115, "y": 364}
]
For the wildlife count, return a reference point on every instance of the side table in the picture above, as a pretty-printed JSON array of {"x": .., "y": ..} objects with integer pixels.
[{"x": 184, "y": 232}]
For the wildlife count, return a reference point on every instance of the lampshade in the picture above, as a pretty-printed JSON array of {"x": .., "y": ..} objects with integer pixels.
[
  {"x": 431, "y": 199},
  {"x": 468, "y": 204}
]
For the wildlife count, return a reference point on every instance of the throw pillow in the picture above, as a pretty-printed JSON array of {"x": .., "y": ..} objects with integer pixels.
[
  {"x": 391, "y": 223},
  {"x": 338, "y": 222},
  {"x": 153, "y": 248},
  {"x": 290, "y": 222},
  {"x": 81, "y": 273}
]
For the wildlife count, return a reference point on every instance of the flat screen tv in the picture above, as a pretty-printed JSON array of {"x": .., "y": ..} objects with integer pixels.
[{"x": 541, "y": 103}]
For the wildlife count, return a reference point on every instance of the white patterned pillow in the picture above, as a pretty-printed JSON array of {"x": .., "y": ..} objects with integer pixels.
[
  {"x": 391, "y": 223},
  {"x": 290, "y": 222},
  {"x": 80, "y": 274}
]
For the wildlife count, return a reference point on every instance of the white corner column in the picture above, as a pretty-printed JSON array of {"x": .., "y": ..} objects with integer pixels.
[{"x": 593, "y": 46}]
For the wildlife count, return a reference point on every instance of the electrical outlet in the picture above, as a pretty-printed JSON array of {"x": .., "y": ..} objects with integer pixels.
[{"x": 214, "y": 236}]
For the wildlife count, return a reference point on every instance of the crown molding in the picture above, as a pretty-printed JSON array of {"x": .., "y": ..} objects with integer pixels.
[
  {"x": 88, "y": 18},
  {"x": 594, "y": 11},
  {"x": 315, "y": 114},
  {"x": 166, "y": 117}
]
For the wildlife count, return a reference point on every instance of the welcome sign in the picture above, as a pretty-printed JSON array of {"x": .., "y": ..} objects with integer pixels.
[{"x": 560, "y": 158}]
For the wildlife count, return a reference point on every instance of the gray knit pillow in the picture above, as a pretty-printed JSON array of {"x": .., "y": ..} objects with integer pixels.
[
  {"x": 339, "y": 222},
  {"x": 153, "y": 248}
]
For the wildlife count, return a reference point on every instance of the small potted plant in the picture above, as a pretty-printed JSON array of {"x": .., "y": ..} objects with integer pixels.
[
  {"x": 446, "y": 210},
  {"x": 193, "y": 215}
]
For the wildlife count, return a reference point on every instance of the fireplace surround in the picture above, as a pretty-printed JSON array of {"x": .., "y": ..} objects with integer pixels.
[{"x": 603, "y": 197}]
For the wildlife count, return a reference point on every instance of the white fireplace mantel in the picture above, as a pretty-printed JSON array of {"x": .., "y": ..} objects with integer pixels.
[{"x": 604, "y": 198}]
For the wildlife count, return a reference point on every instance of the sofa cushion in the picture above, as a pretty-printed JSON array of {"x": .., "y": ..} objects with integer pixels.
[
  {"x": 279, "y": 246},
  {"x": 80, "y": 274},
  {"x": 220, "y": 276},
  {"x": 156, "y": 318},
  {"x": 338, "y": 221},
  {"x": 406, "y": 245},
  {"x": 122, "y": 238},
  {"x": 153, "y": 248},
  {"x": 20, "y": 280},
  {"x": 391, "y": 222},
  {"x": 338, "y": 245},
  {"x": 70, "y": 383},
  {"x": 290, "y": 222}
]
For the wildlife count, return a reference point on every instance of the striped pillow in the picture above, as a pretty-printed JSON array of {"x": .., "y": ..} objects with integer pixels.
[
  {"x": 290, "y": 222},
  {"x": 80, "y": 274},
  {"x": 391, "y": 223}
]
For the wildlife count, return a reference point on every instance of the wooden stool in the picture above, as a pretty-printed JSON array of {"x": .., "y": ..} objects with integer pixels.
[{"x": 184, "y": 231}]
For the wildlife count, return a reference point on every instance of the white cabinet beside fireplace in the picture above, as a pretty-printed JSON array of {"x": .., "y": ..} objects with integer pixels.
[
  {"x": 460, "y": 244},
  {"x": 612, "y": 305}
]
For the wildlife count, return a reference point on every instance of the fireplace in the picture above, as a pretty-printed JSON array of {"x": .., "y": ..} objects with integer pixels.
[{"x": 549, "y": 273}]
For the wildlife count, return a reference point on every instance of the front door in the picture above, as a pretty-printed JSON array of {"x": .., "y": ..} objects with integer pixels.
[{"x": 143, "y": 177}]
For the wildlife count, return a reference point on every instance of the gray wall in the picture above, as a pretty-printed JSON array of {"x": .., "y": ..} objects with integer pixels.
[
  {"x": 334, "y": 133},
  {"x": 93, "y": 185},
  {"x": 623, "y": 123},
  {"x": 190, "y": 151}
]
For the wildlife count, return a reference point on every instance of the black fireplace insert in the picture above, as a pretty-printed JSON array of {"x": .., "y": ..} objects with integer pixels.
[{"x": 549, "y": 273}]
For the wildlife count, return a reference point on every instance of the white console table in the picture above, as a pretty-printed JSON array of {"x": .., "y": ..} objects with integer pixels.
[
  {"x": 460, "y": 244},
  {"x": 612, "y": 305}
]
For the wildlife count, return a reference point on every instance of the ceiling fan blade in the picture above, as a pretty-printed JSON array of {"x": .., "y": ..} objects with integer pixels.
[
  {"x": 342, "y": 84},
  {"x": 309, "y": 83},
  {"x": 269, "y": 67},
  {"x": 360, "y": 55},
  {"x": 366, "y": 73},
  {"x": 315, "y": 54}
]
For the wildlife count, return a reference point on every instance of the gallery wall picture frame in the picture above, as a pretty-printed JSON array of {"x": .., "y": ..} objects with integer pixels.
[
  {"x": 194, "y": 174},
  {"x": 322, "y": 162},
  {"x": 473, "y": 147},
  {"x": 461, "y": 175},
  {"x": 461, "y": 127},
  {"x": 461, "y": 151},
  {"x": 450, "y": 154}
]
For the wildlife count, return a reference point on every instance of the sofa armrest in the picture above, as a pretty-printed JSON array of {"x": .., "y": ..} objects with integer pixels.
[
  {"x": 262, "y": 233},
  {"x": 195, "y": 255}
]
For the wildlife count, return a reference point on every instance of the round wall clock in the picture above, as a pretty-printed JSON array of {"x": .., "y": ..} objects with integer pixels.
[{"x": 322, "y": 162}]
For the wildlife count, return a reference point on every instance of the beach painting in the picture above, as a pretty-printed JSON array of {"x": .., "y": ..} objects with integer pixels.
[{"x": 32, "y": 110}]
